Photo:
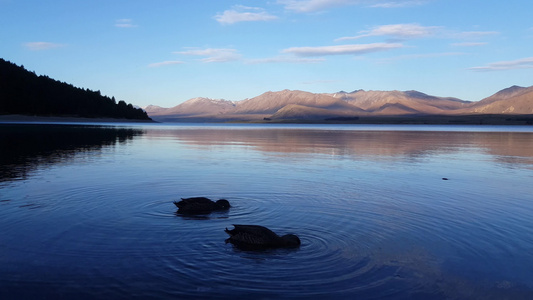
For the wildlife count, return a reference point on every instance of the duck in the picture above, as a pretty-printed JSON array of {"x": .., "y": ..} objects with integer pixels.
[
  {"x": 259, "y": 237},
  {"x": 201, "y": 205}
]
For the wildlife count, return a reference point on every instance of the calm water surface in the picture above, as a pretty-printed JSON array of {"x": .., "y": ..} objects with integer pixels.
[{"x": 86, "y": 211}]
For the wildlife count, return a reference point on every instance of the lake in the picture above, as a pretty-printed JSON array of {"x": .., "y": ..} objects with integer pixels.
[{"x": 383, "y": 212}]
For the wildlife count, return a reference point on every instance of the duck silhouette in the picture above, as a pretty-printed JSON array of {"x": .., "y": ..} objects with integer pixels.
[
  {"x": 259, "y": 237},
  {"x": 200, "y": 205}
]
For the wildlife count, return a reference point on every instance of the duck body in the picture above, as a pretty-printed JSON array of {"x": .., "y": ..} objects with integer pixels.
[
  {"x": 259, "y": 237},
  {"x": 200, "y": 205}
]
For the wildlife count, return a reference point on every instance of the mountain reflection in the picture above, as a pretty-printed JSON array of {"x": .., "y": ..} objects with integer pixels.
[
  {"x": 24, "y": 147},
  {"x": 505, "y": 146}
]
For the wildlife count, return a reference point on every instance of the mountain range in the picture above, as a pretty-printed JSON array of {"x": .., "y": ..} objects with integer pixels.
[{"x": 293, "y": 105}]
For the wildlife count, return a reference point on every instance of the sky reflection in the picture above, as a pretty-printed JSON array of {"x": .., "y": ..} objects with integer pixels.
[{"x": 371, "y": 144}]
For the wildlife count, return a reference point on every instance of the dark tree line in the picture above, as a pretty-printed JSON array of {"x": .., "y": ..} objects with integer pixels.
[{"x": 23, "y": 92}]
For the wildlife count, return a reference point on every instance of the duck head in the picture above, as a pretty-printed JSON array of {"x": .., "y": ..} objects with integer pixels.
[
  {"x": 291, "y": 240},
  {"x": 223, "y": 203}
]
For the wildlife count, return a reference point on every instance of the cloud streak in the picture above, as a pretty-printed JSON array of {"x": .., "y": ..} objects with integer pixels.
[
  {"x": 400, "y": 3},
  {"x": 420, "y": 56},
  {"x": 125, "y": 23},
  {"x": 165, "y": 63},
  {"x": 307, "y": 6},
  {"x": 243, "y": 14},
  {"x": 213, "y": 54},
  {"x": 39, "y": 46},
  {"x": 285, "y": 59},
  {"x": 473, "y": 34},
  {"x": 399, "y": 31},
  {"x": 356, "y": 49},
  {"x": 523, "y": 63},
  {"x": 469, "y": 44}
]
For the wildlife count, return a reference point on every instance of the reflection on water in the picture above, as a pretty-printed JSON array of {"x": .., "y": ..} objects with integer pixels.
[
  {"x": 356, "y": 143},
  {"x": 26, "y": 146},
  {"x": 86, "y": 212}
]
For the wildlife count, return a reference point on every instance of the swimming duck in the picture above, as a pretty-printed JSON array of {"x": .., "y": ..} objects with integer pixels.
[
  {"x": 255, "y": 236},
  {"x": 200, "y": 205}
]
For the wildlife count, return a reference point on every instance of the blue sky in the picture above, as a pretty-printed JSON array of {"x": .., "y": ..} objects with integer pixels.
[{"x": 164, "y": 52}]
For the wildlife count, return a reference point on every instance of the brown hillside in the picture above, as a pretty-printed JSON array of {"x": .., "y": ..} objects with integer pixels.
[
  {"x": 397, "y": 102},
  {"x": 198, "y": 107},
  {"x": 271, "y": 102},
  {"x": 302, "y": 105},
  {"x": 513, "y": 100},
  {"x": 301, "y": 112}
]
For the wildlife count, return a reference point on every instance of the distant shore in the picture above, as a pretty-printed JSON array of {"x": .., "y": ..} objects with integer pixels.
[
  {"x": 56, "y": 119},
  {"x": 480, "y": 119},
  {"x": 404, "y": 120}
]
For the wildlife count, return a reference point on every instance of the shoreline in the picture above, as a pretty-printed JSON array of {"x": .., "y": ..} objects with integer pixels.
[
  {"x": 481, "y": 119},
  {"x": 478, "y": 119},
  {"x": 57, "y": 119}
]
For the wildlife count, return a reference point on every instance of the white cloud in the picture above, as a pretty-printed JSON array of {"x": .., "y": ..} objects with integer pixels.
[
  {"x": 473, "y": 34},
  {"x": 399, "y": 3},
  {"x": 469, "y": 44},
  {"x": 38, "y": 46},
  {"x": 420, "y": 56},
  {"x": 285, "y": 59},
  {"x": 314, "y": 5},
  {"x": 469, "y": 38},
  {"x": 165, "y": 63},
  {"x": 243, "y": 14},
  {"x": 213, "y": 54},
  {"x": 402, "y": 31},
  {"x": 523, "y": 63},
  {"x": 356, "y": 49},
  {"x": 305, "y": 6},
  {"x": 125, "y": 23}
]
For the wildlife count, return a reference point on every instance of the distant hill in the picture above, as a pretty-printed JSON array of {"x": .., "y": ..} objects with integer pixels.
[
  {"x": 194, "y": 110},
  {"x": 155, "y": 109},
  {"x": 202, "y": 106},
  {"x": 413, "y": 106},
  {"x": 401, "y": 103},
  {"x": 24, "y": 93},
  {"x": 272, "y": 102},
  {"x": 512, "y": 100}
]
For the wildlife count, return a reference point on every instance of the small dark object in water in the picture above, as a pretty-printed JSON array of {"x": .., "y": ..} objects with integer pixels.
[
  {"x": 444, "y": 178},
  {"x": 200, "y": 205},
  {"x": 259, "y": 237}
]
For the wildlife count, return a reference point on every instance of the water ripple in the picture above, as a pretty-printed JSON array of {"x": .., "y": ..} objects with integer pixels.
[{"x": 373, "y": 225}]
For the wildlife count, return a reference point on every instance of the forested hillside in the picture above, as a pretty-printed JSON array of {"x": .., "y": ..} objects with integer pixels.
[{"x": 25, "y": 93}]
